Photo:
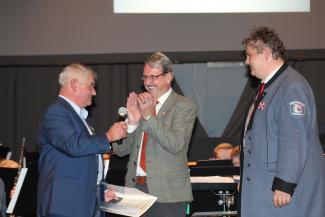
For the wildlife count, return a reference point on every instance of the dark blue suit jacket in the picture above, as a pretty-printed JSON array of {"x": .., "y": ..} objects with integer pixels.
[{"x": 68, "y": 165}]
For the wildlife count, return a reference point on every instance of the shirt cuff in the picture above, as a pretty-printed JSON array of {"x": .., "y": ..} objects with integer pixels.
[
  {"x": 132, "y": 128},
  {"x": 281, "y": 185}
]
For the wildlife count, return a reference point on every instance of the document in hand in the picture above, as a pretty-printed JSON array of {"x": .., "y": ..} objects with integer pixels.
[{"x": 131, "y": 202}]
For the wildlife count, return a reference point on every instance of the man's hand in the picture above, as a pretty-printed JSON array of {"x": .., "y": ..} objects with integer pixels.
[
  {"x": 109, "y": 195},
  {"x": 12, "y": 191},
  {"x": 134, "y": 114},
  {"x": 147, "y": 104},
  {"x": 117, "y": 131},
  {"x": 281, "y": 198}
]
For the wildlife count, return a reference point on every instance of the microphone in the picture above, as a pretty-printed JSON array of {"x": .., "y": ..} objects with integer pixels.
[{"x": 122, "y": 115}]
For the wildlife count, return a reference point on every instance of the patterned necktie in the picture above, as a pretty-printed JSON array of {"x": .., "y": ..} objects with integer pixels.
[
  {"x": 260, "y": 91},
  {"x": 143, "y": 152}
]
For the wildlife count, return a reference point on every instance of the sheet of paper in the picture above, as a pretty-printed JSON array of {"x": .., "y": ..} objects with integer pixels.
[
  {"x": 132, "y": 202},
  {"x": 211, "y": 179}
]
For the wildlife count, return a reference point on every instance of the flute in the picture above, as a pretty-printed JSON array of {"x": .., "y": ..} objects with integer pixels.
[{"x": 21, "y": 159}]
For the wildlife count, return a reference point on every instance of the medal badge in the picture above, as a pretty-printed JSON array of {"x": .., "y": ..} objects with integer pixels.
[{"x": 261, "y": 105}]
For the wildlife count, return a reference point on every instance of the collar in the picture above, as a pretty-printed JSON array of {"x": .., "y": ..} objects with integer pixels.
[
  {"x": 164, "y": 97},
  {"x": 269, "y": 77},
  {"x": 275, "y": 75},
  {"x": 82, "y": 112}
]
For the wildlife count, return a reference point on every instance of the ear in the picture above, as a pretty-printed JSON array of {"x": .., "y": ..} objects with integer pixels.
[
  {"x": 73, "y": 84},
  {"x": 267, "y": 53},
  {"x": 170, "y": 77}
]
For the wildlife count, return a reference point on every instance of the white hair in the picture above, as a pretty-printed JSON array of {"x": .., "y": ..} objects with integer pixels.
[{"x": 74, "y": 71}]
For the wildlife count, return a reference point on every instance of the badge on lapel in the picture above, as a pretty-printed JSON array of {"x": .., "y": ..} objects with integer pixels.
[{"x": 261, "y": 105}]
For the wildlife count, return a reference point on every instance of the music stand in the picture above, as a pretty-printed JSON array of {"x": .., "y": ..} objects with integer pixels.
[
  {"x": 208, "y": 195},
  {"x": 213, "y": 163},
  {"x": 26, "y": 202},
  {"x": 8, "y": 176},
  {"x": 215, "y": 171}
]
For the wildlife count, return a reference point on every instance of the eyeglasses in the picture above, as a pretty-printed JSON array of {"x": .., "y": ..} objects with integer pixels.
[{"x": 151, "y": 77}]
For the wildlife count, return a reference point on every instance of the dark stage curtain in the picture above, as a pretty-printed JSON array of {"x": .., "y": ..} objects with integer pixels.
[
  {"x": 26, "y": 92},
  {"x": 29, "y": 85}
]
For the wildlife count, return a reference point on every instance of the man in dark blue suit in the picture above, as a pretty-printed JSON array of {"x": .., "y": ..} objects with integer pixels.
[{"x": 70, "y": 164}]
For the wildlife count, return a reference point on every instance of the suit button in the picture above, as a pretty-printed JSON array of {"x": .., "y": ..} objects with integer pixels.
[
  {"x": 249, "y": 151},
  {"x": 134, "y": 163},
  {"x": 137, "y": 146},
  {"x": 133, "y": 180},
  {"x": 250, "y": 138},
  {"x": 248, "y": 164},
  {"x": 248, "y": 179}
]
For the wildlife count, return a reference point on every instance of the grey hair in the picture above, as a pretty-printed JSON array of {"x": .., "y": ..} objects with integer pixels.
[
  {"x": 262, "y": 37},
  {"x": 160, "y": 60},
  {"x": 73, "y": 71}
]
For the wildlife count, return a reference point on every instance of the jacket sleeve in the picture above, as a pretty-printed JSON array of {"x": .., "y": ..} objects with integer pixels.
[
  {"x": 124, "y": 148},
  {"x": 294, "y": 117},
  {"x": 60, "y": 129}
]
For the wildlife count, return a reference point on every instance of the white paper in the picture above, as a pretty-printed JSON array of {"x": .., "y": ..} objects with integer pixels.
[
  {"x": 211, "y": 179},
  {"x": 132, "y": 202}
]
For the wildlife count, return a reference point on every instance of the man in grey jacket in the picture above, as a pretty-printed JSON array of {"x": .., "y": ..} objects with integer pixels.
[
  {"x": 283, "y": 170},
  {"x": 165, "y": 121}
]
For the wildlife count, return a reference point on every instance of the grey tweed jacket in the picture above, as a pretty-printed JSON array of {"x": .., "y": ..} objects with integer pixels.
[{"x": 166, "y": 153}]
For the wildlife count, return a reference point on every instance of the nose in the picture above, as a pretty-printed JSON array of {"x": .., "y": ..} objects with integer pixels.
[
  {"x": 247, "y": 61},
  {"x": 147, "y": 81}
]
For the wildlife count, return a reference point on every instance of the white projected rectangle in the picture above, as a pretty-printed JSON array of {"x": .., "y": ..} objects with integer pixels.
[{"x": 210, "y": 6}]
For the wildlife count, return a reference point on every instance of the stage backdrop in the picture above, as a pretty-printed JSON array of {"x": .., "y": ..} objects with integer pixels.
[{"x": 221, "y": 91}]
